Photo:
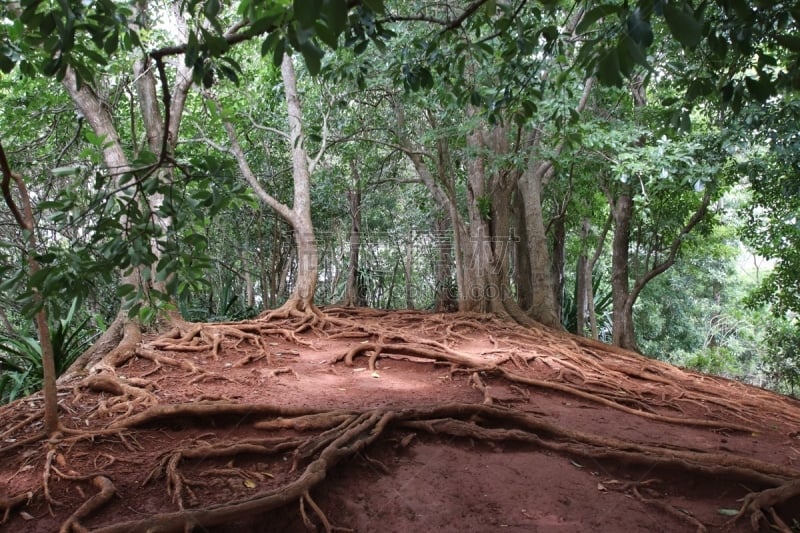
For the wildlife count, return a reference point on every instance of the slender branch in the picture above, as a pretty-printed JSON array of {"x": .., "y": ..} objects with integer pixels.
[
  {"x": 324, "y": 145},
  {"x": 235, "y": 148},
  {"x": 601, "y": 241},
  {"x": 162, "y": 74},
  {"x": 6, "y": 187},
  {"x": 269, "y": 129},
  {"x": 70, "y": 143},
  {"x": 698, "y": 216}
]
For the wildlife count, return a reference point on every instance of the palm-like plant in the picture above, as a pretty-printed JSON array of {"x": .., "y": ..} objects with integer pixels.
[{"x": 21, "y": 371}]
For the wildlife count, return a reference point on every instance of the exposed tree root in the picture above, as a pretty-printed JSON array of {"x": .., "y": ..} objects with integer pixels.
[
  {"x": 351, "y": 441},
  {"x": 22, "y": 423},
  {"x": 442, "y": 353},
  {"x": 106, "y": 492},
  {"x": 304, "y": 315},
  {"x": 320, "y": 514},
  {"x": 306, "y": 443},
  {"x": 7, "y": 504},
  {"x": 127, "y": 396},
  {"x": 757, "y": 502},
  {"x": 346, "y": 434},
  {"x": 48, "y": 468},
  {"x": 669, "y": 509}
]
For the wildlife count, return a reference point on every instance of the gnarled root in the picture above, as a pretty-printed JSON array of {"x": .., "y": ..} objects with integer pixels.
[
  {"x": 9, "y": 503},
  {"x": 107, "y": 491},
  {"x": 756, "y": 503}
]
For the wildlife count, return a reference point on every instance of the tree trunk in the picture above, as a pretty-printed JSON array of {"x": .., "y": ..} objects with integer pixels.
[
  {"x": 354, "y": 289},
  {"x": 522, "y": 259},
  {"x": 622, "y": 312},
  {"x": 583, "y": 282},
  {"x": 589, "y": 276},
  {"x": 543, "y": 305},
  {"x": 408, "y": 270},
  {"x": 559, "y": 240},
  {"x": 299, "y": 215},
  {"x": 25, "y": 220},
  {"x": 161, "y": 137},
  {"x": 307, "y": 254},
  {"x": 581, "y": 308},
  {"x": 482, "y": 238},
  {"x": 482, "y": 290},
  {"x": 444, "y": 299}
]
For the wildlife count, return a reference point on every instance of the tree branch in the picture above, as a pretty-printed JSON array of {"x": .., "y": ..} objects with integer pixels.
[
  {"x": 244, "y": 167},
  {"x": 698, "y": 216}
]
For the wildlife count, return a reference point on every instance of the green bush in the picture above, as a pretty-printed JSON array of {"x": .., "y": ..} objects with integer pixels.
[
  {"x": 781, "y": 360},
  {"x": 719, "y": 361}
]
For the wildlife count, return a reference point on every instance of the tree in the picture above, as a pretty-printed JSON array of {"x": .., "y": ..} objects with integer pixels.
[
  {"x": 24, "y": 217},
  {"x": 299, "y": 215},
  {"x": 772, "y": 226}
]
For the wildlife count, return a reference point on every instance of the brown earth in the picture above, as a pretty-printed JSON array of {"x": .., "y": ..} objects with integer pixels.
[{"x": 362, "y": 420}]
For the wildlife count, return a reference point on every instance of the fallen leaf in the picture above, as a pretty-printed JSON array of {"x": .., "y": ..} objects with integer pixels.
[
  {"x": 576, "y": 464},
  {"x": 600, "y": 487},
  {"x": 728, "y": 512},
  {"x": 249, "y": 484},
  {"x": 375, "y": 375},
  {"x": 25, "y": 516}
]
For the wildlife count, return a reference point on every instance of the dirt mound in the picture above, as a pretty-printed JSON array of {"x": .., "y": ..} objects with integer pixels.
[{"x": 362, "y": 420}]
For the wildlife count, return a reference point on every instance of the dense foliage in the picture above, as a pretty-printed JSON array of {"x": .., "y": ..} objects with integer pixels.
[{"x": 437, "y": 133}]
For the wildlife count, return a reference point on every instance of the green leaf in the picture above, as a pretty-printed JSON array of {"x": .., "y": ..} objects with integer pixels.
[
  {"x": 608, "y": 69},
  {"x": 595, "y": 14},
  {"x": 335, "y": 13},
  {"x": 639, "y": 29},
  {"x": 146, "y": 157},
  {"x": 47, "y": 24},
  {"x": 475, "y": 98},
  {"x": 98, "y": 59},
  {"x": 792, "y": 42},
  {"x": 134, "y": 37},
  {"x": 211, "y": 9},
  {"x": 215, "y": 44},
  {"x": 630, "y": 54},
  {"x": 112, "y": 43},
  {"x": 269, "y": 43},
  {"x": 699, "y": 87},
  {"x": 125, "y": 290},
  {"x": 264, "y": 24},
  {"x": 51, "y": 66},
  {"x": 192, "y": 50},
  {"x": 326, "y": 36},
  {"x": 71, "y": 170},
  {"x": 278, "y": 52},
  {"x": 683, "y": 26},
  {"x": 6, "y": 63},
  {"x": 306, "y": 12},
  {"x": 313, "y": 56},
  {"x": 761, "y": 89}
]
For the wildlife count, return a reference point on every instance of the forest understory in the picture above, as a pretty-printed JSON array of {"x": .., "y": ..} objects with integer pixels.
[{"x": 366, "y": 420}]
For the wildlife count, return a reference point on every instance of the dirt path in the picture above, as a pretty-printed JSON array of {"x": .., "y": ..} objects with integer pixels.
[{"x": 369, "y": 421}]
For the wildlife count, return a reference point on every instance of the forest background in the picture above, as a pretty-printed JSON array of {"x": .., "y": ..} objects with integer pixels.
[{"x": 627, "y": 172}]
